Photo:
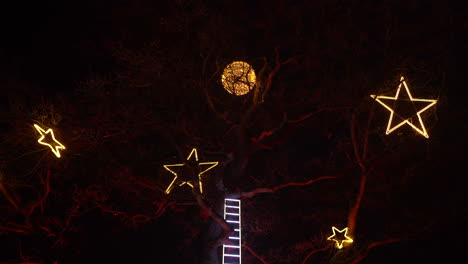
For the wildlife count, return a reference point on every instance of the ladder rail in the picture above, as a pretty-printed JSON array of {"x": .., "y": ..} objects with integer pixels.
[{"x": 236, "y": 225}]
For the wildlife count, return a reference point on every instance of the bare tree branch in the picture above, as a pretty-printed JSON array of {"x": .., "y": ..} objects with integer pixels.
[
  {"x": 314, "y": 252},
  {"x": 254, "y": 254},
  {"x": 372, "y": 245},
  {"x": 275, "y": 189}
]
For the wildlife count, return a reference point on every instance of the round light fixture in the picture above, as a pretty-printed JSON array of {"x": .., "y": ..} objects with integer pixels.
[{"x": 238, "y": 78}]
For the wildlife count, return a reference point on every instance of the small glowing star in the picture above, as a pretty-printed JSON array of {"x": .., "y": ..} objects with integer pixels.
[
  {"x": 422, "y": 129},
  {"x": 339, "y": 242},
  {"x": 189, "y": 183},
  {"x": 54, "y": 145},
  {"x": 238, "y": 78}
]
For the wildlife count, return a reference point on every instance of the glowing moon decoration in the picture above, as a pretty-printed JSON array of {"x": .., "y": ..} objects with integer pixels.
[{"x": 238, "y": 78}]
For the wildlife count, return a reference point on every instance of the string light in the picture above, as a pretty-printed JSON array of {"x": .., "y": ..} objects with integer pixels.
[
  {"x": 175, "y": 181},
  {"x": 408, "y": 121},
  {"x": 55, "y": 145}
]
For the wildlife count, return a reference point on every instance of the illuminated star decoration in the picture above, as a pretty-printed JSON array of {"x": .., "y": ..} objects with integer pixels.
[
  {"x": 339, "y": 242},
  {"x": 421, "y": 130},
  {"x": 174, "y": 181},
  {"x": 53, "y": 145}
]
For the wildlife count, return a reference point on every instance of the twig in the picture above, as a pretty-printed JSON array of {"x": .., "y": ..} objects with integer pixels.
[
  {"x": 13, "y": 229},
  {"x": 226, "y": 228},
  {"x": 254, "y": 254},
  {"x": 41, "y": 201},
  {"x": 27, "y": 262},
  {"x": 275, "y": 71},
  {"x": 304, "y": 117},
  {"x": 275, "y": 189},
  {"x": 315, "y": 251},
  {"x": 354, "y": 211},
  {"x": 6, "y": 194},
  {"x": 374, "y": 244},
  {"x": 355, "y": 143}
]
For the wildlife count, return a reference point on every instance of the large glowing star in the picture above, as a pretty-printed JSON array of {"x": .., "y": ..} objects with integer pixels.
[
  {"x": 420, "y": 127},
  {"x": 175, "y": 181},
  {"x": 238, "y": 78},
  {"x": 342, "y": 237},
  {"x": 54, "y": 145}
]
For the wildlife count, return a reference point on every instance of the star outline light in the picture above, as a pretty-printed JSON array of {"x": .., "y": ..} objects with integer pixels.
[
  {"x": 189, "y": 183},
  {"x": 339, "y": 242},
  {"x": 43, "y": 133},
  {"x": 406, "y": 121}
]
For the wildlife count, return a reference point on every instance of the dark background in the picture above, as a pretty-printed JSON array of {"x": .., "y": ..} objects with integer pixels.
[{"x": 131, "y": 85}]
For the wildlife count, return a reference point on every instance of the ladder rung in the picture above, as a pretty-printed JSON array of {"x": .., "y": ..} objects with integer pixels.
[
  {"x": 229, "y": 246},
  {"x": 232, "y": 214},
  {"x": 234, "y": 200},
  {"x": 234, "y": 237},
  {"x": 230, "y": 221},
  {"x": 236, "y": 229},
  {"x": 231, "y": 255},
  {"x": 230, "y": 206}
]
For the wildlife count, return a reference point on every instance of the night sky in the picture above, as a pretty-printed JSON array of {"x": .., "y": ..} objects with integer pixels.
[{"x": 129, "y": 86}]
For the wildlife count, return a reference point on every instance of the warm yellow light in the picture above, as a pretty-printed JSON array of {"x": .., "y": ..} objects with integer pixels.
[
  {"x": 174, "y": 181},
  {"x": 390, "y": 129},
  {"x": 171, "y": 185},
  {"x": 54, "y": 145},
  {"x": 339, "y": 242},
  {"x": 238, "y": 78}
]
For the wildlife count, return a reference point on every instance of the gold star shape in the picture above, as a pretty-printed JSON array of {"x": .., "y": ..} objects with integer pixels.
[
  {"x": 175, "y": 180},
  {"x": 339, "y": 241},
  {"x": 421, "y": 129},
  {"x": 54, "y": 145}
]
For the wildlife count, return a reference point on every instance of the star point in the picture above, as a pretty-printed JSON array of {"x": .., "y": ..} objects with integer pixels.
[
  {"x": 57, "y": 145},
  {"x": 175, "y": 180},
  {"x": 421, "y": 129},
  {"x": 339, "y": 242}
]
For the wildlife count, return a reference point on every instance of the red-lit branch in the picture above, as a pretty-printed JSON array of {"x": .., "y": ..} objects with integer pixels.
[
  {"x": 315, "y": 251},
  {"x": 28, "y": 262},
  {"x": 372, "y": 245},
  {"x": 46, "y": 183},
  {"x": 275, "y": 71},
  {"x": 6, "y": 194},
  {"x": 254, "y": 254},
  {"x": 275, "y": 189},
  {"x": 17, "y": 229},
  {"x": 355, "y": 209},
  {"x": 309, "y": 115},
  {"x": 220, "y": 220}
]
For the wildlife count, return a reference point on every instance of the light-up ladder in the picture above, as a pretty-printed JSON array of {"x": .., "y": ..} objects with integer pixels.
[{"x": 232, "y": 215}]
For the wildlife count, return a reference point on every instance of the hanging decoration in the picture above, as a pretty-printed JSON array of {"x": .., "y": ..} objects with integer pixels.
[
  {"x": 238, "y": 78},
  {"x": 232, "y": 215},
  {"x": 418, "y": 126},
  {"x": 343, "y": 237},
  {"x": 176, "y": 181},
  {"x": 54, "y": 145}
]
